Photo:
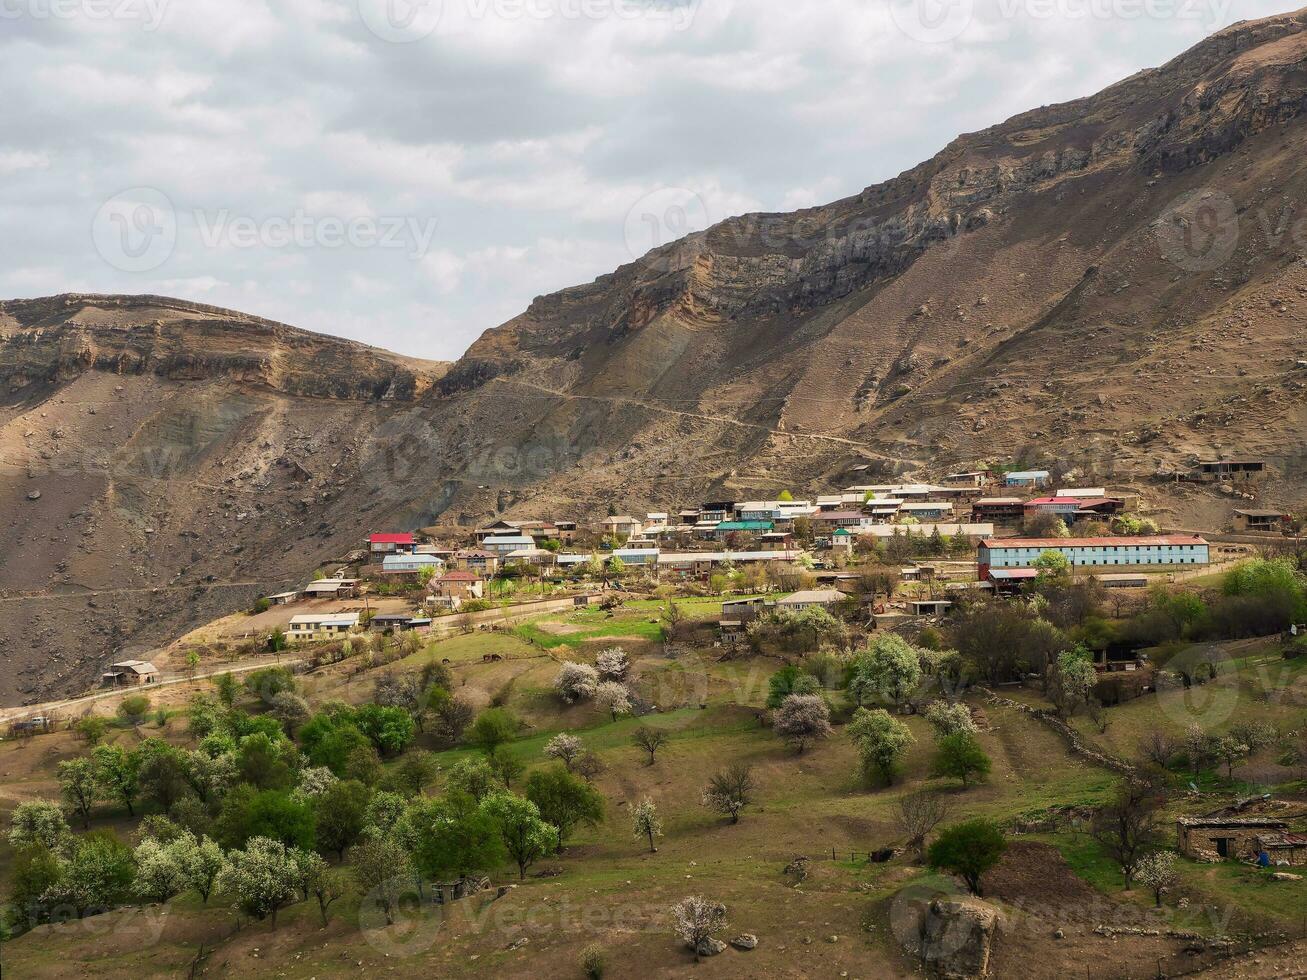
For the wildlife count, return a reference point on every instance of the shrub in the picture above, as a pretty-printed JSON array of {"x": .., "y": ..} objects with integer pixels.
[{"x": 593, "y": 961}]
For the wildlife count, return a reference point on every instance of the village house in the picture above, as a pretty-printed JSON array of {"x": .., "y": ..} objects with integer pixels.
[
  {"x": 972, "y": 532},
  {"x": 566, "y": 531},
  {"x": 883, "y": 510},
  {"x": 776, "y": 541},
  {"x": 410, "y": 564},
  {"x": 460, "y": 584},
  {"x": 321, "y": 626},
  {"x": 1009, "y": 581},
  {"x": 332, "y": 588},
  {"x": 483, "y": 563},
  {"x": 1007, "y": 511},
  {"x": 621, "y": 527},
  {"x": 807, "y": 598},
  {"x": 503, "y": 544},
  {"x": 742, "y": 528},
  {"x": 926, "y": 510},
  {"x": 1229, "y": 469},
  {"x": 737, "y": 614},
  {"x": 397, "y": 623},
  {"x": 1161, "y": 551},
  {"x": 716, "y": 511},
  {"x": 973, "y": 478},
  {"x": 500, "y": 528},
  {"x": 841, "y": 542},
  {"x": 823, "y": 522},
  {"x": 1071, "y": 509},
  {"x": 130, "y": 673},
  {"x": 1218, "y": 837},
  {"x": 391, "y": 544},
  {"x": 1260, "y": 520},
  {"x": 1026, "y": 478}
]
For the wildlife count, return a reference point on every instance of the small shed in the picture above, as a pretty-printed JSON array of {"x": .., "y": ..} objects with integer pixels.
[{"x": 1217, "y": 838}]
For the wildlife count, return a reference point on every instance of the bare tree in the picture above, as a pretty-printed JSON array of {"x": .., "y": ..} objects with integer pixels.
[
  {"x": 730, "y": 790},
  {"x": 1128, "y": 826},
  {"x": 1158, "y": 747},
  {"x": 918, "y": 814},
  {"x": 649, "y": 739}
]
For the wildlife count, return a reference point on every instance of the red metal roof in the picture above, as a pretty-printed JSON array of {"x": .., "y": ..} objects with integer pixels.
[
  {"x": 1161, "y": 539},
  {"x": 460, "y": 577},
  {"x": 392, "y": 539},
  {"x": 1054, "y": 500}
]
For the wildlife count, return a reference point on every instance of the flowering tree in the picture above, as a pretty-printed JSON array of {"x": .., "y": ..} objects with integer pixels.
[
  {"x": 880, "y": 739},
  {"x": 565, "y": 748},
  {"x": 950, "y": 718},
  {"x": 645, "y": 822},
  {"x": 888, "y": 670},
  {"x": 576, "y": 682},
  {"x": 696, "y": 919},
  {"x": 802, "y": 718},
  {"x": 613, "y": 664},
  {"x": 38, "y": 822},
  {"x": 1157, "y": 871},
  {"x": 615, "y": 697},
  {"x": 262, "y": 879}
]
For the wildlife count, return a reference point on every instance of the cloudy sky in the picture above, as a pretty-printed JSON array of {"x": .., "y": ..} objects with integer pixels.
[{"x": 410, "y": 172}]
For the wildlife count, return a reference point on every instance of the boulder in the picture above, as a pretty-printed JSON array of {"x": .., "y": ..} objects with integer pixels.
[
  {"x": 746, "y": 941},
  {"x": 1285, "y": 876},
  {"x": 709, "y": 947},
  {"x": 34, "y": 495},
  {"x": 957, "y": 935}
]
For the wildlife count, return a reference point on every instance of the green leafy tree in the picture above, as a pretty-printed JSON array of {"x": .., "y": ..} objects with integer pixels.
[
  {"x": 453, "y": 837},
  {"x": 888, "y": 670},
  {"x": 415, "y": 771},
  {"x": 116, "y": 773},
  {"x": 79, "y": 787},
  {"x": 133, "y": 709},
  {"x": 968, "y": 849},
  {"x": 526, "y": 836},
  {"x": 959, "y": 756},
  {"x": 881, "y": 741},
  {"x": 381, "y": 866},
  {"x": 564, "y": 800},
  {"x": 202, "y": 862},
  {"x": 390, "y": 729},
  {"x": 473, "y": 777},
  {"x": 277, "y": 815},
  {"x": 340, "y": 814},
  {"x": 92, "y": 729},
  {"x": 38, "y": 823},
  {"x": 493, "y": 727},
  {"x": 1052, "y": 563},
  {"x": 790, "y": 679},
  {"x": 227, "y": 688},
  {"x": 97, "y": 875},
  {"x": 159, "y": 872}
]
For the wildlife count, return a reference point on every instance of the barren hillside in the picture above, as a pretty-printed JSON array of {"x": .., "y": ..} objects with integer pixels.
[{"x": 163, "y": 462}]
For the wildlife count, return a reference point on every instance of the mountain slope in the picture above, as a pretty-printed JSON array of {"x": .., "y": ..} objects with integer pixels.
[
  {"x": 988, "y": 304},
  {"x": 163, "y": 462}
]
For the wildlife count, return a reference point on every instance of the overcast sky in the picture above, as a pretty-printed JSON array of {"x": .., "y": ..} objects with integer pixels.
[{"x": 411, "y": 172}]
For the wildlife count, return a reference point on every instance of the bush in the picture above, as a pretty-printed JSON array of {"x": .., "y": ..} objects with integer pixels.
[{"x": 593, "y": 961}]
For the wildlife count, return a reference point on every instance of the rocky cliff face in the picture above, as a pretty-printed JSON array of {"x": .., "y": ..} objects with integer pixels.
[{"x": 52, "y": 340}]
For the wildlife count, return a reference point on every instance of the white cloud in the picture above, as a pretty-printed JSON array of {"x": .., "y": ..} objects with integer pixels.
[{"x": 517, "y": 150}]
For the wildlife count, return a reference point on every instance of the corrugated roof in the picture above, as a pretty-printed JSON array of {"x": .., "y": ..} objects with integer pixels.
[{"x": 1156, "y": 540}]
